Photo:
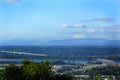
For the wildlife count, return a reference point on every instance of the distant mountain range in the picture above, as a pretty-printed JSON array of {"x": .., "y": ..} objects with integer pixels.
[
  {"x": 66, "y": 42},
  {"x": 84, "y": 42}
]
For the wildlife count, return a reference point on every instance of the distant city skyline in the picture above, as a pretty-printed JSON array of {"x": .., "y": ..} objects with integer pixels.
[{"x": 59, "y": 19}]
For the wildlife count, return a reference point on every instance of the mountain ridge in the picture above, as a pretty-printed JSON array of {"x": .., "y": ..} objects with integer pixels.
[{"x": 65, "y": 42}]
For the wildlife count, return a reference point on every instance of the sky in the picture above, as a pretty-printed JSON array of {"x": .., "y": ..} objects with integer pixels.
[{"x": 59, "y": 19}]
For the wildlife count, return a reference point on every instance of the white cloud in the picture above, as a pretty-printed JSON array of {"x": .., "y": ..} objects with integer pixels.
[
  {"x": 79, "y": 25},
  {"x": 111, "y": 28},
  {"x": 91, "y": 30},
  {"x": 108, "y": 28},
  {"x": 65, "y": 25},
  {"x": 73, "y": 26},
  {"x": 99, "y": 20},
  {"x": 78, "y": 36}
]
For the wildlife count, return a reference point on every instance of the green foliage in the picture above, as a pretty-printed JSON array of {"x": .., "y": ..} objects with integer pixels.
[
  {"x": 25, "y": 62},
  {"x": 107, "y": 70},
  {"x": 62, "y": 77},
  {"x": 36, "y": 71},
  {"x": 97, "y": 77},
  {"x": 31, "y": 71},
  {"x": 109, "y": 78},
  {"x": 12, "y": 73}
]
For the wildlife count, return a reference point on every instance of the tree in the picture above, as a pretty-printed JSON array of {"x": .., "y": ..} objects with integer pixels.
[
  {"x": 25, "y": 62},
  {"x": 31, "y": 71},
  {"x": 110, "y": 78},
  {"x": 97, "y": 77},
  {"x": 62, "y": 77},
  {"x": 12, "y": 72},
  {"x": 36, "y": 71}
]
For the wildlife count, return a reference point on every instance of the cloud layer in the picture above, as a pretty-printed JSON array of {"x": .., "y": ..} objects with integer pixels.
[
  {"x": 91, "y": 30},
  {"x": 78, "y": 36},
  {"x": 105, "y": 29},
  {"x": 99, "y": 20},
  {"x": 73, "y": 26}
]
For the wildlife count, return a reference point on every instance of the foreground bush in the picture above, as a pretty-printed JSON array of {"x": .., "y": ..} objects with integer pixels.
[{"x": 31, "y": 71}]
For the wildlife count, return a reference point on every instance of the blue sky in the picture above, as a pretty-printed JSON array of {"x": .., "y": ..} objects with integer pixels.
[{"x": 59, "y": 19}]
